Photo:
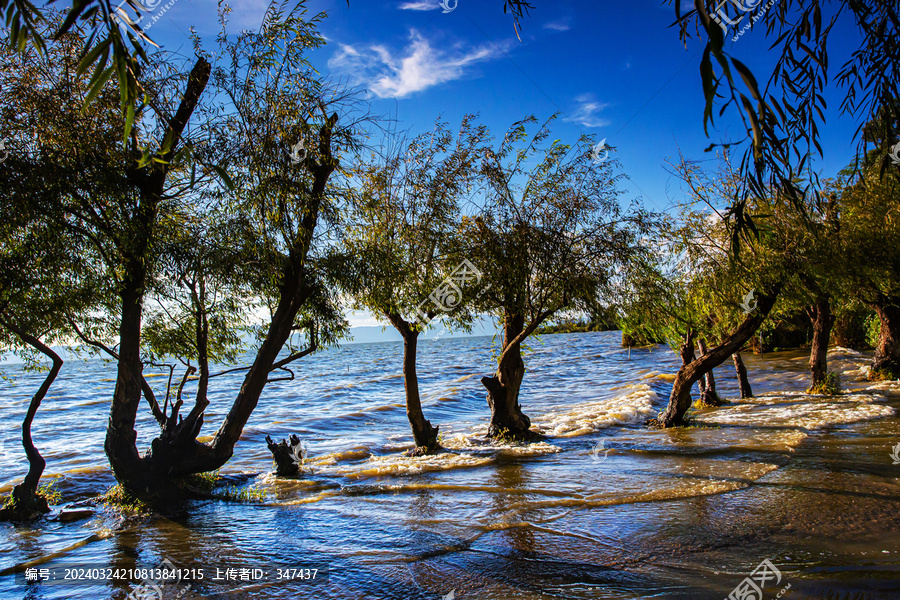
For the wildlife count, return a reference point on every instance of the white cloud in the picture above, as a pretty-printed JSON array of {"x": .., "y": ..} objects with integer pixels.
[
  {"x": 561, "y": 25},
  {"x": 421, "y": 5},
  {"x": 419, "y": 66},
  {"x": 586, "y": 112}
]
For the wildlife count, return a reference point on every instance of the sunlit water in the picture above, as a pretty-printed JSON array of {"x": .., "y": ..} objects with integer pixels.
[{"x": 604, "y": 508}]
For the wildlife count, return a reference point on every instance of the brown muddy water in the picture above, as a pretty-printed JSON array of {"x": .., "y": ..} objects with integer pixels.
[{"x": 602, "y": 509}]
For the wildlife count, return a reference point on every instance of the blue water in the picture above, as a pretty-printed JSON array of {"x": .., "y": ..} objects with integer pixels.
[{"x": 604, "y": 508}]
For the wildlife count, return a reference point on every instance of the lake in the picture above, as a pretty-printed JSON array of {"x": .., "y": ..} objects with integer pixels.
[{"x": 604, "y": 508}]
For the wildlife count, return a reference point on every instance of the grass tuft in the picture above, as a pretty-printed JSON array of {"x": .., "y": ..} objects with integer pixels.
[
  {"x": 829, "y": 387},
  {"x": 247, "y": 495},
  {"x": 117, "y": 497}
]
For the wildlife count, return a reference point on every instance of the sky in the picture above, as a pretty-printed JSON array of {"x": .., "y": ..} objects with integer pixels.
[{"x": 614, "y": 70}]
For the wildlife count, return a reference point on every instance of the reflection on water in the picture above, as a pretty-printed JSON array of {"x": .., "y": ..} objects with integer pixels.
[{"x": 806, "y": 482}]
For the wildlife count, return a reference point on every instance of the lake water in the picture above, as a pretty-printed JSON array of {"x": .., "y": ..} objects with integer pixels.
[{"x": 602, "y": 509}]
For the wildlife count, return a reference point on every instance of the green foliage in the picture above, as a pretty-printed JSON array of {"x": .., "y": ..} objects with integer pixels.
[
  {"x": 884, "y": 374},
  {"x": 400, "y": 238},
  {"x": 830, "y": 386},
  {"x": 873, "y": 329},
  {"x": 201, "y": 483},
  {"x": 782, "y": 118},
  {"x": 546, "y": 228}
]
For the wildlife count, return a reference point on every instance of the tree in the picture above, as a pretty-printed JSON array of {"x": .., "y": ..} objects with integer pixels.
[
  {"x": 400, "y": 242},
  {"x": 868, "y": 223},
  {"x": 45, "y": 266},
  {"x": 274, "y": 98},
  {"x": 783, "y": 117},
  {"x": 33, "y": 299},
  {"x": 148, "y": 217},
  {"x": 723, "y": 273},
  {"x": 548, "y": 233}
]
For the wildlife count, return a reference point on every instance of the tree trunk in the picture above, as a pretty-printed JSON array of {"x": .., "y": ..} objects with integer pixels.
[
  {"x": 887, "y": 352},
  {"x": 822, "y": 321},
  {"x": 686, "y": 352},
  {"x": 708, "y": 395},
  {"x": 27, "y": 503},
  {"x": 507, "y": 418},
  {"x": 687, "y": 376},
  {"x": 138, "y": 476},
  {"x": 741, "y": 372},
  {"x": 425, "y": 436}
]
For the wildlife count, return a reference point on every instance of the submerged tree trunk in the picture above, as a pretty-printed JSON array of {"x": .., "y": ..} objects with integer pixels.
[
  {"x": 887, "y": 351},
  {"x": 26, "y": 502},
  {"x": 822, "y": 321},
  {"x": 741, "y": 372},
  {"x": 425, "y": 436},
  {"x": 687, "y": 376},
  {"x": 507, "y": 418},
  {"x": 708, "y": 394}
]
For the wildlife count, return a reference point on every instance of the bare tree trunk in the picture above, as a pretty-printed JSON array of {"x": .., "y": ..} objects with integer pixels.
[
  {"x": 741, "y": 372},
  {"x": 26, "y": 501},
  {"x": 887, "y": 351},
  {"x": 687, "y": 376},
  {"x": 822, "y": 321},
  {"x": 708, "y": 394},
  {"x": 507, "y": 418},
  {"x": 424, "y": 434}
]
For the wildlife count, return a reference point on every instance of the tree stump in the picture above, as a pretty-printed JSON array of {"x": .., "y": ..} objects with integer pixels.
[{"x": 287, "y": 456}]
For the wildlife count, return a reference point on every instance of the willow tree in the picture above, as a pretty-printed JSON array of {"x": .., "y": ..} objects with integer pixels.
[
  {"x": 34, "y": 300},
  {"x": 739, "y": 289},
  {"x": 277, "y": 197},
  {"x": 400, "y": 256},
  {"x": 868, "y": 234},
  {"x": 548, "y": 232},
  {"x": 47, "y": 267},
  {"x": 784, "y": 110}
]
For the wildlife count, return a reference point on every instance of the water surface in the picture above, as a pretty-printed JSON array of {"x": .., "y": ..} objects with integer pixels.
[{"x": 602, "y": 509}]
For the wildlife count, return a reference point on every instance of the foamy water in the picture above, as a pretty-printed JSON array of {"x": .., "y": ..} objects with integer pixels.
[{"x": 373, "y": 513}]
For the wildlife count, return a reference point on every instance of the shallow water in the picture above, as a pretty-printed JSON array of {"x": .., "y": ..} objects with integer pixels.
[{"x": 602, "y": 509}]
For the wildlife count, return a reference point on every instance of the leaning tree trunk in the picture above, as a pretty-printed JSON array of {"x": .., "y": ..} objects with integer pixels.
[
  {"x": 822, "y": 321},
  {"x": 27, "y": 503},
  {"x": 708, "y": 394},
  {"x": 887, "y": 351},
  {"x": 425, "y": 436},
  {"x": 741, "y": 371},
  {"x": 507, "y": 418},
  {"x": 687, "y": 376}
]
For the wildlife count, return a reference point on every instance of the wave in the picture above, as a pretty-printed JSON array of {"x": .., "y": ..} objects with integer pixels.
[
  {"x": 794, "y": 410},
  {"x": 588, "y": 417}
]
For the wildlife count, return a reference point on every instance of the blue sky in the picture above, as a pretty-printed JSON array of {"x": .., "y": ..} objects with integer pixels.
[{"x": 616, "y": 70}]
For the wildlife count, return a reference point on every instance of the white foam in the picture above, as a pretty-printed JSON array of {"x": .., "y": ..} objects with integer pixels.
[
  {"x": 588, "y": 417},
  {"x": 799, "y": 410},
  {"x": 394, "y": 465}
]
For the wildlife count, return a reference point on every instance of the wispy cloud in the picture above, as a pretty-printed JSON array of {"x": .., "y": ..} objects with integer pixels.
[
  {"x": 418, "y": 67},
  {"x": 587, "y": 112},
  {"x": 420, "y": 5},
  {"x": 560, "y": 25}
]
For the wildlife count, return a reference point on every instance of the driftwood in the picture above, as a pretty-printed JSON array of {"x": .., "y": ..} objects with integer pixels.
[{"x": 287, "y": 456}]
